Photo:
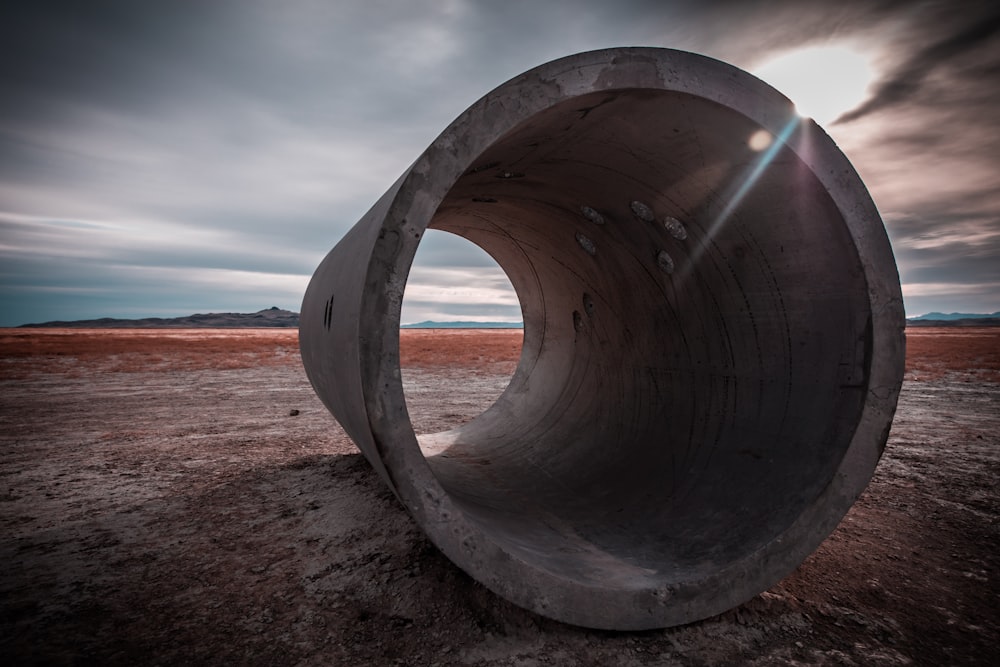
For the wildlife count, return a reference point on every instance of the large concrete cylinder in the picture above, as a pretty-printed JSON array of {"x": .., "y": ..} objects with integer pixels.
[{"x": 713, "y": 338}]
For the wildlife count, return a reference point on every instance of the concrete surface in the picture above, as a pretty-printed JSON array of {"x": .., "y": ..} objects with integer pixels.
[{"x": 713, "y": 342}]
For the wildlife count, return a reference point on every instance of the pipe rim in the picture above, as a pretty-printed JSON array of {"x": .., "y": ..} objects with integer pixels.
[{"x": 415, "y": 203}]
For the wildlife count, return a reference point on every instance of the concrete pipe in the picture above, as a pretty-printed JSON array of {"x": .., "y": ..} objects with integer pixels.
[{"x": 713, "y": 338}]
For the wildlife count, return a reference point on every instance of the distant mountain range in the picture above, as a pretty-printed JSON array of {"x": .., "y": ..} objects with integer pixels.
[
  {"x": 955, "y": 320},
  {"x": 463, "y": 325},
  {"x": 271, "y": 317},
  {"x": 276, "y": 317}
]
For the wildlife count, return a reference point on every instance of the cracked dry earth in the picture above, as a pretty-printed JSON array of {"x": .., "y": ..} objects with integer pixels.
[{"x": 161, "y": 504}]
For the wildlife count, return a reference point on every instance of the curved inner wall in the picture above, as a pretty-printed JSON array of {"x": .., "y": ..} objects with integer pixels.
[{"x": 681, "y": 395}]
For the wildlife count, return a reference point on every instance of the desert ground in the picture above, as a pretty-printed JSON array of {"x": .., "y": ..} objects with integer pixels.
[{"x": 182, "y": 497}]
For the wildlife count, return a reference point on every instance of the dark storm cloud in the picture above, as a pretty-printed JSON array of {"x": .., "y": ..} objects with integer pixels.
[
  {"x": 440, "y": 248},
  {"x": 905, "y": 82},
  {"x": 204, "y": 150},
  {"x": 927, "y": 142},
  {"x": 203, "y": 137}
]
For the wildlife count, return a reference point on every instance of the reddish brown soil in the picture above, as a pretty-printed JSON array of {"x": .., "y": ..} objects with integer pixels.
[
  {"x": 26, "y": 352},
  {"x": 160, "y": 503},
  {"x": 933, "y": 352},
  {"x": 464, "y": 348}
]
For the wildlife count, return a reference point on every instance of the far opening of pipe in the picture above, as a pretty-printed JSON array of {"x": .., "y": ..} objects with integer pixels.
[{"x": 461, "y": 334}]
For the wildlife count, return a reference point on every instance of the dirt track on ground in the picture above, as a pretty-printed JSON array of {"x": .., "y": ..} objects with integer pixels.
[{"x": 160, "y": 503}]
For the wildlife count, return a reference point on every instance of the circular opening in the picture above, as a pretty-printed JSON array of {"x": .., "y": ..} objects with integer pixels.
[
  {"x": 696, "y": 340},
  {"x": 461, "y": 333}
]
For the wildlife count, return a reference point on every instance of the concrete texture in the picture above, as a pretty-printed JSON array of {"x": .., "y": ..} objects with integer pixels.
[{"x": 713, "y": 342}]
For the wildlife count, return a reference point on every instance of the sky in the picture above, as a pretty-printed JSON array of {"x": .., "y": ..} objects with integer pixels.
[{"x": 167, "y": 158}]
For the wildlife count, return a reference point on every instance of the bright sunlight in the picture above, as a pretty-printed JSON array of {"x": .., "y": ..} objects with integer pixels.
[{"x": 822, "y": 81}]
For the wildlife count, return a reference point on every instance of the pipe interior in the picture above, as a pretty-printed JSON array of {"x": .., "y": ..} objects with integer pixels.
[{"x": 678, "y": 401}]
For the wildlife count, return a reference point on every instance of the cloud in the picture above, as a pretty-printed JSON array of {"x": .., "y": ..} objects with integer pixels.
[
  {"x": 922, "y": 298},
  {"x": 142, "y": 290},
  {"x": 432, "y": 284},
  {"x": 470, "y": 293},
  {"x": 946, "y": 289},
  {"x": 904, "y": 83},
  {"x": 236, "y": 140}
]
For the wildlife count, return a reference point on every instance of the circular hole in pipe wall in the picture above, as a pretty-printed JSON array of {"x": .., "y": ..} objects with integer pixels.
[{"x": 460, "y": 337}]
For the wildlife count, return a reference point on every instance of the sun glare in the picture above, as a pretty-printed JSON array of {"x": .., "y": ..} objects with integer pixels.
[{"x": 822, "y": 81}]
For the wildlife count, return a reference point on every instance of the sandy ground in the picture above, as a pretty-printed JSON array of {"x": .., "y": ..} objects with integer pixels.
[{"x": 162, "y": 503}]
